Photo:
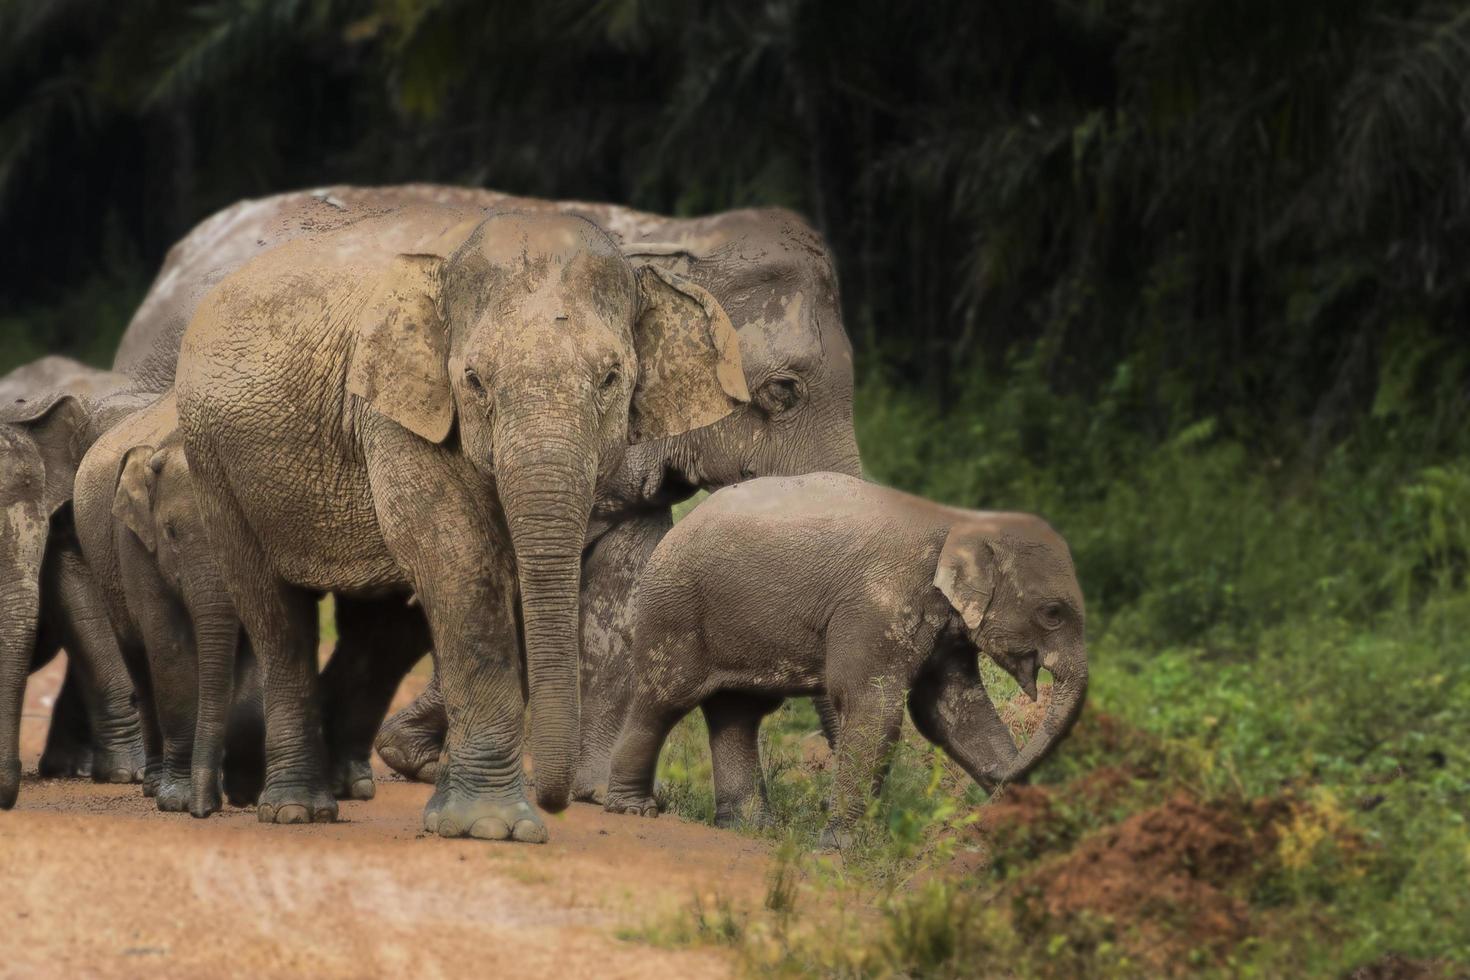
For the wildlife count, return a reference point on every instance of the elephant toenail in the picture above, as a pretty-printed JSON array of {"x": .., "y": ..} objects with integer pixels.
[
  {"x": 530, "y": 832},
  {"x": 490, "y": 828},
  {"x": 292, "y": 813}
]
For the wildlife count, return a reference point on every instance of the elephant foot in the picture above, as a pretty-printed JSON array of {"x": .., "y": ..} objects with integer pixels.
[
  {"x": 747, "y": 816},
  {"x": 119, "y": 766},
  {"x": 834, "y": 838},
  {"x": 9, "y": 783},
  {"x": 590, "y": 794},
  {"x": 352, "y": 779},
  {"x": 173, "y": 794},
  {"x": 65, "y": 762},
  {"x": 295, "y": 804},
  {"x": 204, "y": 797},
  {"x": 631, "y": 803},
  {"x": 152, "y": 776},
  {"x": 450, "y": 813},
  {"x": 410, "y": 747},
  {"x": 590, "y": 783}
]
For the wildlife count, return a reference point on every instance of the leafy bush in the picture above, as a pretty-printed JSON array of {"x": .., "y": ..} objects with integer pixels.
[{"x": 1258, "y": 631}]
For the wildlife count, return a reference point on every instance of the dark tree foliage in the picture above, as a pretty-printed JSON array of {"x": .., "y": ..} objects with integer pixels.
[{"x": 1251, "y": 210}]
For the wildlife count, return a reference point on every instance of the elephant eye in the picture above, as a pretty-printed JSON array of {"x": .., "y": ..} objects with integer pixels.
[
  {"x": 777, "y": 396},
  {"x": 1051, "y": 615},
  {"x": 170, "y": 530},
  {"x": 610, "y": 379},
  {"x": 473, "y": 380}
]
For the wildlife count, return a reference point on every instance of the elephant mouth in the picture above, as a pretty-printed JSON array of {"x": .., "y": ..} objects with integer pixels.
[{"x": 1025, "y": 667}]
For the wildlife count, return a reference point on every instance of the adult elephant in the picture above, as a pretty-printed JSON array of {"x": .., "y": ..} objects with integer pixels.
[
  {"x": 768, "y": 269},
  {"x": 50, "y": 411},
  {"x": 423, "y": 401}
]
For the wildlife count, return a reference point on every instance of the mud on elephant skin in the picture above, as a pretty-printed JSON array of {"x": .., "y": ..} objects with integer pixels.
[
  {"x": 775, "y": 278},
  {"x": 423, "y": 402},
  {"x": 826, "y": 584},
  {"x": 48, "y": 597},
  {"x": 138, "y": 518}
]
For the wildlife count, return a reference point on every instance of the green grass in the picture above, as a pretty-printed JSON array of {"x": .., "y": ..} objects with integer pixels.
[{"x": 1259, "y": 630}]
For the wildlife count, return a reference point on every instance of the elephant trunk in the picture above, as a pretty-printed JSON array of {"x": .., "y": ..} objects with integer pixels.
[
  {"x": 22, "y": 546},
  {"x": 546, "y": 487},
  {"x": 951, "y": 708},
  {"x": 216, "y": 638},
  {"x": 1068, "y": 694}
]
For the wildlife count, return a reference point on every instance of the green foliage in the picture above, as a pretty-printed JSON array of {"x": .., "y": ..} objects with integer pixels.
[
  {"x": 85, "y": 324},
  {"x": 1257, "y": 632},
  {"x": 1185, "y": 278},
  {"x": 1253, "y": 214}
]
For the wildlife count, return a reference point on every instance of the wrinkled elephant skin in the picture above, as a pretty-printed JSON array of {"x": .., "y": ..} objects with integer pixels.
[
  {"x": 460, "y": 383},
  {"x": 826, "y": 584}
]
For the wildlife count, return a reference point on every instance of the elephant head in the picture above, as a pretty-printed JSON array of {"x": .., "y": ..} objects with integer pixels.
[
  {"x": 776, "y": 279},
  {"x": 39, "y": 451},
  {"x": 1010, "y": 580},
  {"x": 536, "y": 339},
  {"x": 155, "y": 501}
]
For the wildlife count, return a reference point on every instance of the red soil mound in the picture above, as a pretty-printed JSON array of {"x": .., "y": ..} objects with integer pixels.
[{"x": 1157, "y": 882}]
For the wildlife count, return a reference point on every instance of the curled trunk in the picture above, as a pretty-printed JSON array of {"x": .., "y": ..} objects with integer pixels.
[
  {"x": 1068, "y": 694},
  {"x": 950, "y": 707}
]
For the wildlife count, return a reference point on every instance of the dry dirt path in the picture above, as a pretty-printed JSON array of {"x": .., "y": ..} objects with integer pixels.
[{"x": 95, "y": 882}]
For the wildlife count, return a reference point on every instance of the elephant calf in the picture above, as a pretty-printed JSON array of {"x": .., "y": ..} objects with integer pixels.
[
  {"x": 825, "y": 584},
  {"x": 138, "y": 518}
]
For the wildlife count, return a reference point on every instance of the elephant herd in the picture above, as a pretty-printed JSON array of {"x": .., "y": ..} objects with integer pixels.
[{"x": 466, "y": 416}]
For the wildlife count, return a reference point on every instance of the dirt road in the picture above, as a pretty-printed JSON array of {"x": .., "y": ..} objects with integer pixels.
[{"x": 95, "y": 882}]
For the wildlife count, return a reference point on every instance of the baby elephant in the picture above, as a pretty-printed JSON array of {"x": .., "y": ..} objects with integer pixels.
[
  {"x": 138, "y": 516},
  {"x": 825, "y": 584}
]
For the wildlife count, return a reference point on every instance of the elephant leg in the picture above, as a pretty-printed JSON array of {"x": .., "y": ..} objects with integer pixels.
[
  {"x": 481, "y": 788},
  {"x": 635, "y": 757},
  {"x": 281, "y": 622},
  {"x": 734, "y": 721},
  {"x": 118, "y": 741},
  {"x": 654, "y": 711},
  {"x": 412, "y": 741},
  {"x": 610, "y": 572},
  {"x": 870, "y": 717},
  {"x": 68, "y": 749},
  {"x": 244, "y": 762},
  {"x": 172, "y": 667},
  {"x": 378, "y": 642}
]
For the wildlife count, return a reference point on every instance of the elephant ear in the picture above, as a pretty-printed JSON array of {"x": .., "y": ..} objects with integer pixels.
[
  {"x": 689, "y": 369},
  {"x": 966, "y": 573},
  {"x": 57, "y": 424},
  {"x": 400, "y": 361},
  {"x": 132, "y": 502}
]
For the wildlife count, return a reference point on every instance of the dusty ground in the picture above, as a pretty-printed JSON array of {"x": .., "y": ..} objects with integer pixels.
[{"x": 98, "y": 883}]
